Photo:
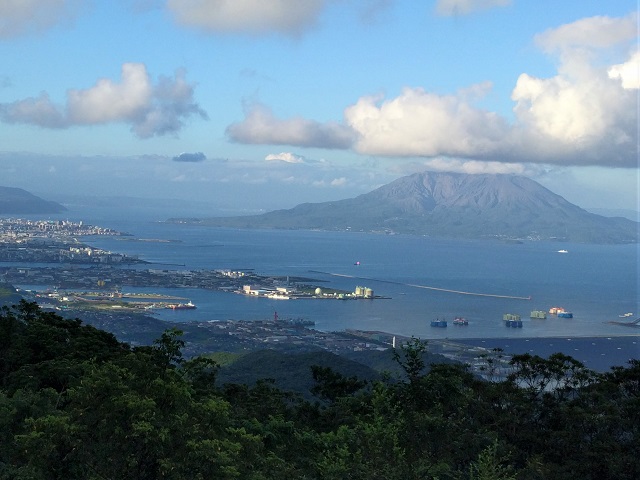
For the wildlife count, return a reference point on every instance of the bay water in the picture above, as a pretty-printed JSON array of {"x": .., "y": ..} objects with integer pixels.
[{"x": 598, "y": 283}]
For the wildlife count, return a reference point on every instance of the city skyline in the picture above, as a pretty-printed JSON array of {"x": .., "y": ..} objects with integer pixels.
[{"x": 270, "y": 104}]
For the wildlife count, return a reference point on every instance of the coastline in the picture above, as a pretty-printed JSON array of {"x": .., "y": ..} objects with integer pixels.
[{"x": 598, "y": 353}]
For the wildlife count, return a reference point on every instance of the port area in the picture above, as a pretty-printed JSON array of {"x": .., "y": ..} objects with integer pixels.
[
  {"x": 101, "y": 301},
  {"x": 488, "y": 358},
  {"x": 110, "y": 280}
]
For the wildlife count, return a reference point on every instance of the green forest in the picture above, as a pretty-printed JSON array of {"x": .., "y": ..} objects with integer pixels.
[{"x": 76, "y": 403}]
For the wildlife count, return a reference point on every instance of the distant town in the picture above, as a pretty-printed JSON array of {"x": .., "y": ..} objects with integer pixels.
[{"x": 55, "y": 241}]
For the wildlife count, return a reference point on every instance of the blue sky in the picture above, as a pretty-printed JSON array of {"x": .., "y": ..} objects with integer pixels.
[{"x": 252, "y": 104}]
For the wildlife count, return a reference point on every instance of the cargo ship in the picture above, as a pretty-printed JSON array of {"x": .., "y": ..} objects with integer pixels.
[
  {"x": 539, "y": 314},
  {"x": 512, "y": 320},
  {"x": 439, "y": 323},
  {"x": 560, "y": 312},
  {"x": 460, "y": 321}
]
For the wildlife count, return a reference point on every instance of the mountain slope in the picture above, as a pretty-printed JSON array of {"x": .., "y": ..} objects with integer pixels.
[
  {"x": 291, "y": 371},
  {"x": 448, "y": 204},
  {"x": 17, "y": 200}
]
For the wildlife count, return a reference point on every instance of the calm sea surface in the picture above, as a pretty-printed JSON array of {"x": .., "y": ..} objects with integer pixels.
[{"x": 597, "y": 283}]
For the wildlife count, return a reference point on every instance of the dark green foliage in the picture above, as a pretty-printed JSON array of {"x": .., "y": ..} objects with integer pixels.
[
  {"x": 8, "y": 295},
  {"x": 41, "y": 350},
  {"x": 291, "y": 371},
  {"x": 331, "y": 385},
  {"x": 77, "y": 404}
]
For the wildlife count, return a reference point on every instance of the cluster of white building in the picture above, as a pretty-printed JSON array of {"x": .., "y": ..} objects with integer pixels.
[
  {"x": 279, "y": 293},
  {"x": 286, "y": 293},
  {"x": 231, "y": 273}
]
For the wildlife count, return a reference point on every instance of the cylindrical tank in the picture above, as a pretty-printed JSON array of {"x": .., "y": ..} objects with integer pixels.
[
  {"x": 368, "y": 293},
  {"x": 359, "y": 291},
  {"x": 318, "y": 291}
]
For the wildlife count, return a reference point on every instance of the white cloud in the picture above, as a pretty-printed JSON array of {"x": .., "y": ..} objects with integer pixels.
[
  {"x": 19, "y": 17},
  {"x": 286, "y": 157},
  {"x": 150, "y": 109},
  {"x": 38, "y": 111},
  {"x": 108, "y": 101},
  {"x": 464, "y": 7},
  {"x": 261, "y": 127},
  {"x": 584, "y": 115},
  {"x": 628, "y": 73},
  {"x": 339, "y": 182},
  {"x": 289, "y": 17},
  {"x": 593, "y": 32},
  {"x": 477, "y": 166},
  {"x": 424, "y": 124}
]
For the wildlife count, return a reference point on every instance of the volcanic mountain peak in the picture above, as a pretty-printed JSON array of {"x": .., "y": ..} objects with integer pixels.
[{"x": 453, "y": 205}]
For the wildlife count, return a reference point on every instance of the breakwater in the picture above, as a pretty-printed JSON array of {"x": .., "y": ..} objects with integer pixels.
[{"x": 427, "y": 287}]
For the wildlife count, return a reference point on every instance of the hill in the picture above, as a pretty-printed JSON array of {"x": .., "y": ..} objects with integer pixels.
[
  {"x": 19, "y": 201},
  {"x": 8, "y": 295},
  {"x": 450, "y": 205},
  {"x": 291, "y": 371}
]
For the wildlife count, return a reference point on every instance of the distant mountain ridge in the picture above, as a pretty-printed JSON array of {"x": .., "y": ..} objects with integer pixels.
[
  {"x": 19, "y": 201},
  {"x": 450, "y": 205}
]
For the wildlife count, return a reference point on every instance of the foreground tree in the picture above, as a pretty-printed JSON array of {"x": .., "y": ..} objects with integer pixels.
[{"x": 77, "y": 404}]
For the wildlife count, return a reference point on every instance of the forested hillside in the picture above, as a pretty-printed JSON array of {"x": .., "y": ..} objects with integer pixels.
[{"x": 75, "y": 403}]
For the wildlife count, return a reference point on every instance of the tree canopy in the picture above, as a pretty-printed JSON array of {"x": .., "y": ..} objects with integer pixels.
[{"x": 75, "y": 403}]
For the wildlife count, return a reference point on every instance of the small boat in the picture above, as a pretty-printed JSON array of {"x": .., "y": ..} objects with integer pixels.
[
  {"x": 625, "y": 315},
  {"x": 563, "y": 251}
]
